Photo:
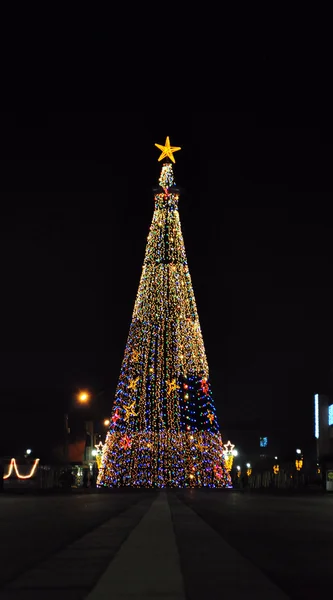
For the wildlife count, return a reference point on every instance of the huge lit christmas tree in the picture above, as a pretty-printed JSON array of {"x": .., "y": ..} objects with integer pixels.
[{"x": 164, "y": 429}]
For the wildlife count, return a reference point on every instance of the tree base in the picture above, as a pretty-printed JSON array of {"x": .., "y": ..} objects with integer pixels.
[{"x": 163, "y": 459}]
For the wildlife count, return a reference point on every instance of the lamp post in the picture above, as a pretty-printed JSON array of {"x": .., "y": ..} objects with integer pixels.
[
  {"x": 86, "y": 397},
  {"x": 67, "y": 432},
  {"x": 229, "y": 453},
  {"x": 82, "y": 397},
  {"x": 299, "y": 459}
]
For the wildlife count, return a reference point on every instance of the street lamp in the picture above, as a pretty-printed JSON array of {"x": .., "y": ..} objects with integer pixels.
[
  {"x": 88, "y": 398},
  {"x": 83, "y": 397}
]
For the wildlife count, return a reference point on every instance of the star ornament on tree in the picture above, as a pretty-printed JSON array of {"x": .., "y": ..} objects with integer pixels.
[
  {"x": 135, "y": 355},
  {"x": 211, "y": 417},
  {"x": 129, "y": 410},
  {"x": 125, "y": 442},
  {"x": 133, "y": 383},
  {"x": 201, "y": 447},
  {"x": 218, "y": 471},
  {"x": 115, "y": 417},
  {"x": 172, "y": 386},
  {"x": 204, "y": 385},
  {"x": 167, "y": 150}
]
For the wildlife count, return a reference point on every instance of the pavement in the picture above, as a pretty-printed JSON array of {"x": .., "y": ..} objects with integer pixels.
[{"x": 170, "y": 545}]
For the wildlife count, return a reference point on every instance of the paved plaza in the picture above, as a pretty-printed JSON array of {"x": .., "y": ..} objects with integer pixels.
[{"x": 170, "y": 545}]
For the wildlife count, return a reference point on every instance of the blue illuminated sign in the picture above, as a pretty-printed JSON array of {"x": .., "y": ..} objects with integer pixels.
[
  {"x": 263, "y": 442},
  {"x": 330, "y": 414},
  {"x": 316, "y": 415}
]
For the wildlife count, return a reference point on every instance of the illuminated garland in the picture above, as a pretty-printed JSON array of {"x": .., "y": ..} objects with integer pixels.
[
  {"x": 164, "y": 429},
  {"x": 13, "y": 466}
]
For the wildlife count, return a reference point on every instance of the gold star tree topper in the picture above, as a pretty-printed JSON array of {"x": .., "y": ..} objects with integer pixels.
[{"x": 167, "y": 150}]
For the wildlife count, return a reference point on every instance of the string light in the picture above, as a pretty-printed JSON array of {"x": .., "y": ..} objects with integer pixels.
[
  {"x": 13, "y": 466},
  {"x": 163, "y": 428}
]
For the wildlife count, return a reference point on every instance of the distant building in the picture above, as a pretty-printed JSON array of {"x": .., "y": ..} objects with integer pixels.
[{"x": 255, "y": 443}]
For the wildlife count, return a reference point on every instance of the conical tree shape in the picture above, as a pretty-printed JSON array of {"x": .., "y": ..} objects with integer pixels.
[{"x": 164, "y": 429}]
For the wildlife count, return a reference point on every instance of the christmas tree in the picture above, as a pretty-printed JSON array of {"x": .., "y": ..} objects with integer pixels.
[{"x": 163, "y": 428}]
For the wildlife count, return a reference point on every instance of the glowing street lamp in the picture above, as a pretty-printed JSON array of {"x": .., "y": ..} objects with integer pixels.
[
  {"x": 83, "y": 397},
  {"x": 86, "y": 398},
  {"x": 106, "y": 422}
]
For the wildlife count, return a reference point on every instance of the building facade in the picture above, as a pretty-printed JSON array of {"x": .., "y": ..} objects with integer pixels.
[{"x": 323, "y": 431}]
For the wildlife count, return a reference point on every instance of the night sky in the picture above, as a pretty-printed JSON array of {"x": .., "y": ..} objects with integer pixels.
[{"x": 76, "y": 206}]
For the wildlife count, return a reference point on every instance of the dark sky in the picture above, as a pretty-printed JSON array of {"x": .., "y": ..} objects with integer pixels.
[{"x": 76, "y": 206}]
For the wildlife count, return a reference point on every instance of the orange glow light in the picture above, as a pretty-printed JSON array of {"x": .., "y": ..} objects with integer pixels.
[{"x": 83, "y": 397}]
